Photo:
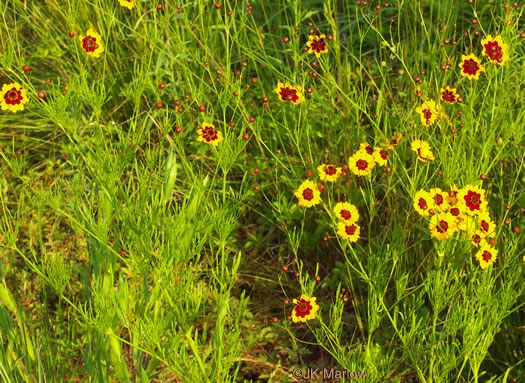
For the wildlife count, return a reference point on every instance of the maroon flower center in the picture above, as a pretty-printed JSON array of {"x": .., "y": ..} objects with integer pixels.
[
  {"x": 288, "y": 94},
  {"x": 485, "y": 225},
  {"x": 361, "y": 164},
  {"x": 470, "y": 66},
  {"x": 442, "y": 227},
  {"x": 438, "y": 198},
  {"x": 308, "y": 194},
  {"x": 494, "y": 51},
  {"x": 473, "y": 200},
  {"x": 427, "y": 114},
  {"x": 448, "y": 96},
  {"x": 350, "y": 230},
  {"x": 318, "y": 45},
  {"x": 346, "y": 214},
  {"x": 209, "y": 134},
  {"x": 486, "y": 256},
  {"x": 393, "y": 142},
  {"x": 476, "y": 239},
  {"x": 383, "y": 154},
  {"x": 454, "y": 211},
  {"x": 303, "y": 308},
  {"x": 13, "y": 96},
  {"x": 89, "y": 44},
  {"x": 422, "y": 203},
  {"x": 330, "y": 170}
]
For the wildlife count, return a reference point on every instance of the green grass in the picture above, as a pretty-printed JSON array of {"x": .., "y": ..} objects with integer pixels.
[{"x": 129, "y": 251}]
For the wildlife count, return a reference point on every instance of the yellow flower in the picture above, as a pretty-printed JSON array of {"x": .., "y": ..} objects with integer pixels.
[
  {"x": 305, "y": 308},
  {"x": 127, "y": 3},
  {"x": 487, "y": 226},
  {"x": 423, "y": 202},
  {"x": 442, "y": 226},
  {"x": 13, "y": 97},
  {"x": 495, "y": 49},
  {"x": 471, "y": 67},
  {"x": 317, "y": 45},
  {"x": 348, "y": 230},
  {"x": 472, "y": 198},
  {"x": 422, "y": 148},
  {"x": 449, "y": 95},
  {"x": 486, "y": 255},
  {"x": 396, "y": 138},
  {"x": 287, "y": 92},
  {"x": 439, "y": 197},
  {"x": 208, "y": 134},
  {"x": 346, "y": 211},
  {"x": 92, "y": 43},
  {"x": 308, "y": 194},
  {"x": 380, "y": 156},
  {"x": 361, "y": 163},
  {"x": 329, "y": 173},
  {"x": 429, "y": 112}
]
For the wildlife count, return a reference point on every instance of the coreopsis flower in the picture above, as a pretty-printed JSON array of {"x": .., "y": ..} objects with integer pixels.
[
  {"x": 429, "y": 112},
  {"x": 422, "y": 148},
  {"x": 346, "y": 212},
  {"x": 471, "y": 67},
  {"x": 495, "y": 49},
  {"x": 366, "y": 146},
  {"x": 423, "y": 202},
  {"x": 348, "y": 230},
  {"x": 486, "y": 255},
  {"x": 317, "y": 44},
  {"x": 305, "y": 308},
  {"x": 473, "y": 200},
  {"x": 287, "y": 92},
  {"x": 127, "y": 3},
  {"x": 442, "y": 226},
  {"x": 487, "y": 226},
  {"x": 329, "y": 173},
  {"x": 308, "y": 194},
  {"x": 208, "y": 134},
  {"x": 361, "y": 163},
  {"x": 380, "y": 156},
  {"x": 476, "y": 238},
  {"x": 449, "y": 95},
  {"x": 439, "y": 197},
  {"x": 92, "y": 43},
  {"x": 13, "y": 97},
  {"x": 396, "y": 139}
]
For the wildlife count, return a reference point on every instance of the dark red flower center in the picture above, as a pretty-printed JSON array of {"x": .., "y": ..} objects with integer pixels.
[
  {"x": 485, "y": 225},
  {"x": 288, "y": 94},
  {"x": 330, "y": 170},
  {"x": 422, "y": 203},
  {"x": 486, "y": 256},
  {"x": 494, "y": 51},
  {"x": 308, "y": 194},
  {"x": 303, "y": 308},
  {"x": 427, "y": 114},
  {"x": 89, "y": 44},
  {"x": 454, "y": 211},
  {"x": 369, "y": 149},
  {"x": 476, "y": 238},
  {"x": 346, "y": 214},
  {"x": 393, "y": 142},
  {"x": 209, "y": 133},
  {"x": 350, "y": 229},
  {"x": 438, "y": 198},
  {"x": 383, "y": 154},
  {"x": 361, "y": 164},
  {"x": 318, "y": 45},
  {"x": 473, "y": 200},
  {"x": 442, "y": 226},
  {"x": 13, "y": 96},
  {"x": 470, "y": 67},
  {"x": 448, "y": 96}
]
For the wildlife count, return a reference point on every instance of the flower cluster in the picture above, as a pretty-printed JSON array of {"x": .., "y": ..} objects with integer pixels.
[
  {"x": 464, "y": 210},
  {"x": 347, "y": 228},
  {"x": 365, "y": 159},
  {"x": 496, "y": 50}
]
